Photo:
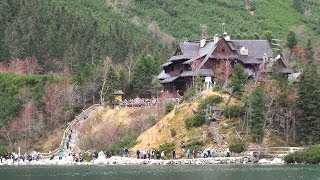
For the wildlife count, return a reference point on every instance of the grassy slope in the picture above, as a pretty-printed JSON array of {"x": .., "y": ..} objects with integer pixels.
[
  {"x": 160, "y": 133},
  {"x": 96, "y": 132}
]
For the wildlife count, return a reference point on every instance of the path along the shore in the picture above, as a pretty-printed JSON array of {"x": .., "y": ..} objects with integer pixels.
[{"x": 115, "y": 160}]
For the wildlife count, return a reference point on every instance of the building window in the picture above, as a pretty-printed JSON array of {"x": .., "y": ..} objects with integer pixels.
[{"x": 223, "y": 49}]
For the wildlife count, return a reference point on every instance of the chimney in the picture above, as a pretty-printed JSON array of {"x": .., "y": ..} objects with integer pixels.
[
  {"x": 204, "y": 36},
  {"x": 265, "y": 58},
  {"x": 216, "y": 39},
  {"x": 264, "y": 62},
  {"x": 186, "y": 40},
  {"x": 226, "y": 36},
  {"x": 202, "y": 43}
]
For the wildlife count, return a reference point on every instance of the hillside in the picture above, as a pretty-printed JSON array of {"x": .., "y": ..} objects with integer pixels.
[
  {"x": 171, "y": 129},
  {"x": 112, "y": 129},
  {"x": 184, "y": 18}
]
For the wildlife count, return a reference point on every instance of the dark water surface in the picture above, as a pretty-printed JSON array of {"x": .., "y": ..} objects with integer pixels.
[{"x": 186, "y": 172}]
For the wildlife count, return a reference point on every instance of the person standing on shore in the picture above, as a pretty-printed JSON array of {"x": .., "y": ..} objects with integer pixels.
[
  {"x": 60, "y": 154},
  {"x": 188, "y": 153},
  {"x": 162, "y": 155},
  {"x": 152, "y": 154},
  {"x": 138, "y": 154},
  {"x": 194, "y": 152},
  {"x": 174, "y": 154}
]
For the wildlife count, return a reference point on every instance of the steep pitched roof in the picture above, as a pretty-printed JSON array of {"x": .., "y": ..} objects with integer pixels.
[
  {"x": 163, "y": 75},
  {"x": 191, "y": 51},
  {"x": 201, "y": 72},
  {"x": 206, "y": 50},
  {"x": 169, "y": 79},
  {"x": 256, "y": 50}
]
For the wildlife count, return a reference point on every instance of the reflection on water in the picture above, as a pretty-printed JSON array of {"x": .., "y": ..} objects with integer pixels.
[{"x": 186, "y": 172}]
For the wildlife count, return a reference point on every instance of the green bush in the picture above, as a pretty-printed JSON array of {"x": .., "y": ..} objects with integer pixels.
[
  {"x": 310, "y": 155},
  {"x": 195, "y": 143},
  {"x": 237, "y": 147},
  {"x": 195, "y": 121},
  {"x": 233, "y": 111},
  {"x": 209, "y": 101},
  {"x": 173, "y": 132},
  {"x": 294, "y": 157},
  {"x": 127, "y": 141},
  {"x": 3, "y": 149},
  {"x": 168, "y": 107},
  {"x": 87, "y": 157},
  {"x": 190, "y": 92},
  {"x": 166, "y": 147}
]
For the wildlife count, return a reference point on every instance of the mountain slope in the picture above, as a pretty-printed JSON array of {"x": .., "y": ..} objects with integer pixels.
[{"x": 184, "y": 18}]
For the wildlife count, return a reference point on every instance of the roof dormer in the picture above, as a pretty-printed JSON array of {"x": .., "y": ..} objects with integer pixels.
[{"x": 244, "y": 51}]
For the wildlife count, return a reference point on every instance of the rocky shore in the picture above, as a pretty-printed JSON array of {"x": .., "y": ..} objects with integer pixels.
[{"x": 133, "y": 161}]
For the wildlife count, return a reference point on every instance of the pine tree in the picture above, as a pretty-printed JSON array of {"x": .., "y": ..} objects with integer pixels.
[
  {"x": 112, "y": 83},
  {"x": 143, "y": 71},
  {"x": 268, "y": 36},
  {"x": 258, "y": 110},
  {"x": 238, "y": 80},
  {"x": 309, "y": 51},
  {"x": 308, "y": 117},
  {"x": 297, "y": 4},
  {"x": 291, "y": 40}
]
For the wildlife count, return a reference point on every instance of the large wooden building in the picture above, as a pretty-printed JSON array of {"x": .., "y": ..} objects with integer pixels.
[{"x": 208, "y": 56}]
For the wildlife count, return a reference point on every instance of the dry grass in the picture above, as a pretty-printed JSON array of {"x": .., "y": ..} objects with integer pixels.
[
  {"x": 160, "y": 133},
  {"x": 51, "y": 141}
]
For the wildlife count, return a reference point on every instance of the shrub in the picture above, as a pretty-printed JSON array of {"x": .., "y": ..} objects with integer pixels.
[
  {"x": 294, "y": 157},
  {"x": 195, "y": 121},
  {"x": 168, "y": 107},
  {"x": 87, "y": 157},
  {"x": 127, "y": 141},
  {"x": 237, "y": 147},
  {"x": 233, "y": 111},
  {"x": 190, "y": 92},
  {"x": 3, "y": 149},
  {"x": 173, "y": 132},
  {"x": 209, "y": 101},
  {"x": 195, "y": 143},
  {"x": 166, "y": 147},
  {"x": 310, "y": 155}
]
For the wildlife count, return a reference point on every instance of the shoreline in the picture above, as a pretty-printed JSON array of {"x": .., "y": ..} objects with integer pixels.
[{"x": 116, "y": 160}]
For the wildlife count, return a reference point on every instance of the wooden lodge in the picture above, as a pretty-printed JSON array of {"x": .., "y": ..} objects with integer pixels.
[{"x": 208, "y": 57}]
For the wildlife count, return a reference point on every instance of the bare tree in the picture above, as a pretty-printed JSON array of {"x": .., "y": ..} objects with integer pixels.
[{"x": 105, "y": 66}]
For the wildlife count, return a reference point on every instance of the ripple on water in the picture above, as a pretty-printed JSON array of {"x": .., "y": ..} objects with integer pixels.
[{"x": 181, "y": 172}]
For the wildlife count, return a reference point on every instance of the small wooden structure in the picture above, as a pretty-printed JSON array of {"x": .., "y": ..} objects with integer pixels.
[{"x": 118, "y": 95}]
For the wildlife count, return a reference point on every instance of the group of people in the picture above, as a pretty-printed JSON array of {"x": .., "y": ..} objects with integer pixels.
[
  {"x": 188, "y": 153},
  {"x": 76, "y": 157},
  {"x": 150, "y": 154},
  {"x": 15, "y": 157},
  {"x": 139, "y": 102},
  {"x": 68, "y": 140}
]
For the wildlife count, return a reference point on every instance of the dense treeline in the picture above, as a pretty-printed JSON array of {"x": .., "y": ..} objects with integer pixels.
[
  {"x": 276, "y": 111},
  {"x": 54, "y": 31},
  {"x": 91, "y": 44},
  {"x": 33, "y": 106},
  {"x": 309, "y": 10},
  {"x": 241, "y": 18}
]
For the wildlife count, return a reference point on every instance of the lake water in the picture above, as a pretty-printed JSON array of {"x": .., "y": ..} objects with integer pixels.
[{"x": 186, "y": 172}]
